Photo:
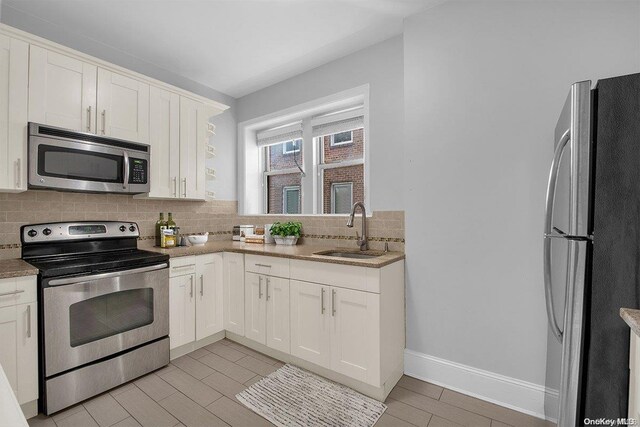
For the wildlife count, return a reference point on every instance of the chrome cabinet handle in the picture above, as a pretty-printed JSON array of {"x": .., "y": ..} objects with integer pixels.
[
  {"x": 263, "y": 265},
  {"x": 29, "y": 321},
  {"x": 184, "y": 180},
  {"x": 104, "y": 121},
  {"x": 125, "y": 167},
  {"x": 89, "y": 119},
  {"x": 333, "y": 302},
  {"x": 322, "y": 301},
  {"x": 268, "y": 283},
  {"x": 201, "y": 284},
  {"x": 176, "y": 267},
  {"x": 191, "y": 286},
  {"x": 548, "y": 232},
  {"x": 4, "y": 294},
  {"x": 175, "y": 186},
  {"x": 259, "y": 287},
  {"x": 18, "y": 172}
]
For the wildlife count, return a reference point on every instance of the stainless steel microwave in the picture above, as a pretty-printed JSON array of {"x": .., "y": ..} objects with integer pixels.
[{"x": 75, "y": 161}]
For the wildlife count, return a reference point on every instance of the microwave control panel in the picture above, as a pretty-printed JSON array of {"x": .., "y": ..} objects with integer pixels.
[{"x": 138, "y": 171}]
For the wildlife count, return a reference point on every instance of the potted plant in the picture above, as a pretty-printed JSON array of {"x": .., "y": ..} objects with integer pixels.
[{"x": 286, "y": 233}]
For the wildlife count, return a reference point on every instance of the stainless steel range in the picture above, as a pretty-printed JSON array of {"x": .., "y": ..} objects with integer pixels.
[{"x": 103, "y": 308}]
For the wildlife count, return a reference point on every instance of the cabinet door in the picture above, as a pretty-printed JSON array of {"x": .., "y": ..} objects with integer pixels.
[
  {"x": 27, "y": 348},
  {"x": 209, "y": 295},
  {"x": 233, "y": 292},
  {"x": 355, "y": 334},
  {"x": 9, "y": 347},
  {"x": 255, "y": 307},
  {"x": 310, "y": 338},
  {"x": 193, "y": 135},
  {"x": 62, "y": 91},
  {"x": 123, "y": 107},
  {"x": 14, "y": 62},
  {"x": 277, "y": 299},
  {"x": 182, "y": 314},
  {"x": 164, "y": 122}
]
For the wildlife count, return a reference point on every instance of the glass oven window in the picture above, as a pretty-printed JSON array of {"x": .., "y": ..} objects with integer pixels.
[
  {"x": 110, "y": 314},
  {"x": 84, "y": 165}
]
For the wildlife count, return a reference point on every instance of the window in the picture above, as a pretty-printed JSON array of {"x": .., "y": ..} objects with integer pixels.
[
  {"x": 291, "y": 200},
  {"x": 341, "y": 197},
  {"x": 342, "y": 138},
  {"x": 290, "y": 147}
]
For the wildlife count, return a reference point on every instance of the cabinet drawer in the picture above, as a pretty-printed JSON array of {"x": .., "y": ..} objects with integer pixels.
[
  {"x": 340, "y": 275},
  {"x": 182, "y": 266},
  {"x": 271, "y": 266},
  {"x": 18, "y": 290}
]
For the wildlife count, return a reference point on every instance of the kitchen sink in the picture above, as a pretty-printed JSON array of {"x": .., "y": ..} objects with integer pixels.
[{"x": 352, "y": 255}]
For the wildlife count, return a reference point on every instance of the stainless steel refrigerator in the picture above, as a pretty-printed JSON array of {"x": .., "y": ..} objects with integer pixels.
[{"x": 592, "y": 250}]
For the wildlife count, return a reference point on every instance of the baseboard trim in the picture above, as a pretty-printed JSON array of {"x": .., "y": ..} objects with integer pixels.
[{"x": 509, "y": 392}]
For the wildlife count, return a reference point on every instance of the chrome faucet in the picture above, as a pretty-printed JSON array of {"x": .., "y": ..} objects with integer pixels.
[{"x": 363, "y": 241}]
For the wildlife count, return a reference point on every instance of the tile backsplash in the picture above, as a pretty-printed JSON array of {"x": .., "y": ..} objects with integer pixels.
[{"x": 217, "y": 217}]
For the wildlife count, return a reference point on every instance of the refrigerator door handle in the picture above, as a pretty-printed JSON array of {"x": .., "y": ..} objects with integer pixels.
[{"x": 548, "y": 233}]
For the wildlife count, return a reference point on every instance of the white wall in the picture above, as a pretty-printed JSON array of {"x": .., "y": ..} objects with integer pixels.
[
  {"x": 226, "y": 125},
  {"x": 484, "y": 84},
  {"x": 381, "y": 66}
]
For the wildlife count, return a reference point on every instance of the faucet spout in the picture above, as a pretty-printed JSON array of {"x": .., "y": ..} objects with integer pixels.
[{"x": 363, "y": 241}]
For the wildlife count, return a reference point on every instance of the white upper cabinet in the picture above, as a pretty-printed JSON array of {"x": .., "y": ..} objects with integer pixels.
[
  {"x": 123, "y": 107},
  {"x": 193, "y": 134},
  {"x": 62, "y": 91},
  {"x": 14, "y": 65},
  {"x": 164, "y": 137}
]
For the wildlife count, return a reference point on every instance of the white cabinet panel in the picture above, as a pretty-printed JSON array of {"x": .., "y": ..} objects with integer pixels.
[
  {"x": 209, "y": 278},
  {"x": 355, "y": 334},
  {"x": 193, "y": 133},
  {"x": 233, "y": 292},
  {"x": 123, "y": 107},
  {"x": 164, "y": 122},
  {"x": 9, "y": 347},
  {"x": 255, "y": 308},
  {"x": 310, "y": 328},
  {"x": 27, "y": 346},
  {"x": 14, "y": 63},
  {"x": 277, "y": 322},
  {"x": 182, "y": 328},
  {"x": 267, "y": 265},
  {"x": 62, "y": 91}
]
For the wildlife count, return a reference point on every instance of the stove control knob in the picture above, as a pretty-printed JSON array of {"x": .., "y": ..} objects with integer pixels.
[
  {"x": 123, "y": 228},
  {"x": 46, "y": 231},
  {"x": 132, "y": 228},
  {"x": 32, "y": 233}
]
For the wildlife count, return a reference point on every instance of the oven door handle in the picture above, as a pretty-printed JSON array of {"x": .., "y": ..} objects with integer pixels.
[{"x": 72, "y": 280}]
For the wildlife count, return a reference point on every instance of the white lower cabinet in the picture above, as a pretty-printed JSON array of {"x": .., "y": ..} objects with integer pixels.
[
  {"x": 267, "y": 310},
  {"x": 310, "y": 327},
  {"x": 19, "y": 336},
  {"x": 233, "y": 292},
  {"x": 195, "y": 298}
]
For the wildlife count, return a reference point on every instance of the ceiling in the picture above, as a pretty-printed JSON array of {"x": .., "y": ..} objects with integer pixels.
[{"x": 233, "y": 46}]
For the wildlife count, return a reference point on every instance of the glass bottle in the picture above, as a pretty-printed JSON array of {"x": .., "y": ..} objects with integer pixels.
[
  {"x": 159, "y": 224},
  {"x": 171, "y": 225}
]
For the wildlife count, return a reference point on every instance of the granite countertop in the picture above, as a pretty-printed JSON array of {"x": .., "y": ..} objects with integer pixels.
[
  {"x": 301, "y": 252},
  {"x": 16, "y": 268},
  {"x": 632, "y": 317}
]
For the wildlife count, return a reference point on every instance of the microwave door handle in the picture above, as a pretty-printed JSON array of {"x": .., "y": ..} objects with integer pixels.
[
  {"x": 125, "y": 166},
  {"x": 548, "y": 235}
]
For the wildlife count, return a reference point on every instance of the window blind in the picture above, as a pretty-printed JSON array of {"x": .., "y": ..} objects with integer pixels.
[
  {"x": 338, "y": 122},
  {"x": 279, "y": 135}
]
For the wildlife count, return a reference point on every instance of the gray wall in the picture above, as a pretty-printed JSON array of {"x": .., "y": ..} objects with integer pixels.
[
  {"x": 484, "y": 84},
  {"x": 381, "y": 66},
  {"x": 226, "y": 125}
]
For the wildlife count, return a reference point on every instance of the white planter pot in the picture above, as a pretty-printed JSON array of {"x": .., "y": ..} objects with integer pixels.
[{"x": 287, "y": 241}]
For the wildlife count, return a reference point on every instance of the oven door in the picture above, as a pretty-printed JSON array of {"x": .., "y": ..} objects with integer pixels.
[
  {"x": 92, "y": 317},
  {"x": 86, "y": 166}
]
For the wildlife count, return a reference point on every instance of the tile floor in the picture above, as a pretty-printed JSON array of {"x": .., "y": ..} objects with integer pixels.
[{"x": 199, "y": 390}]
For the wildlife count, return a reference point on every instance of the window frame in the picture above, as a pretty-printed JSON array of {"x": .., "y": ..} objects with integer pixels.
[
  {"x": 284, "y": 147},
  {"x": 340, "y": 144},
  {"x": 333, "y": 199},
  {"x": 287, "y": 188},
  {"x": 265, "y": 155}
]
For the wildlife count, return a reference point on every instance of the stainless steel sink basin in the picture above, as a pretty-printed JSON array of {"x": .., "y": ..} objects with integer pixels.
[{"x": 352, "y": 255}]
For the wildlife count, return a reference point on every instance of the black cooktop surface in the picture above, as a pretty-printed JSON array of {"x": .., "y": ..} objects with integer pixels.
[{"x": 94, "y": 263}]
